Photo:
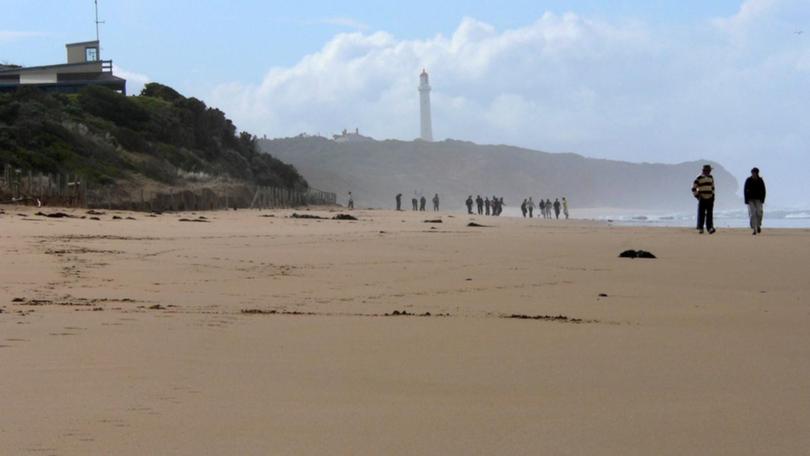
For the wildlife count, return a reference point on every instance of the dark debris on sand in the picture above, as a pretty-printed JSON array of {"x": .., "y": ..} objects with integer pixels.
[
  {"x": 55, "y": 215},
  {"x": 405, "y": 313},
  {"x": 433, "y": 221},
  {"x": 396, "y": 313},
  {"x": 197, "y": 220},
  {"x": 296, "y": 215},
  {"x": 559, "y": 318},
  {"x": 476, "y": 225},
  {"x": 275, "y": 312},
  {"x": 636, "y": 254}
]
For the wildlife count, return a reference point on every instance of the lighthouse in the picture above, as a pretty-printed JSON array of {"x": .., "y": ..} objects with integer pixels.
[{"x": 424, "y": 107}]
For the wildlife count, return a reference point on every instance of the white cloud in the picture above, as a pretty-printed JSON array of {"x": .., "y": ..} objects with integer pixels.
[
  {"x": 135, "y": 81},
  {"x": 613, "y": 89},
  {"x": 750, "y": 11}
]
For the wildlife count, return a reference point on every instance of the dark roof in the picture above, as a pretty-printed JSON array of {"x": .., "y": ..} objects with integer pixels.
[{"x": 18, "y": 69}]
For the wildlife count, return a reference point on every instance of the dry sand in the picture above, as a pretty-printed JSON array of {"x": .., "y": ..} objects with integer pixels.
[{"x": 127, "y": 337}]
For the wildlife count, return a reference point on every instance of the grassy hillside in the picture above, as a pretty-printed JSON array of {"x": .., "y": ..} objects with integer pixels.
[{"x": 160, "y": 136}]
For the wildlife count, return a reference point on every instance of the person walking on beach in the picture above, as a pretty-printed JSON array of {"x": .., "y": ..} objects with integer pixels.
[
  {"x": 486, "y": 205},
  {"x": 548, "y": 208},
  {"x": 415, "y": 203},
  {"x": 754, "y": 194},
  {"x": 530, "y": 207},
  {"x": 399, "y": 201},
  {"x": 469, "y": 204},
  {"x": 351, "y": 201},
  {"x": 496, "y": 206},
  {"x": 565, "y": 207},
  {"x": 557, "y": 208},
  {"x": 542, "y": 207},
  {"x": 703, "y": 190},
  {"x": 422, "y": 203},
  {"x": 436, "y": 202},
  {"x": 523, "y": 207},
  {"x": 480, "y": 203}
]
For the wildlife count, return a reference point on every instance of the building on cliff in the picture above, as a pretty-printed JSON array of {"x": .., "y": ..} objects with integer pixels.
[{"x": 84, "y": 67}]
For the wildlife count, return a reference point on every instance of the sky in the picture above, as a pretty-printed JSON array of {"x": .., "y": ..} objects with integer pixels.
[{"x": 636, "y": 80}]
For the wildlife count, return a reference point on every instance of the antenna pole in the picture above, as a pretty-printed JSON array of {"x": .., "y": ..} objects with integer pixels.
[{"x": 97, "y": 21}]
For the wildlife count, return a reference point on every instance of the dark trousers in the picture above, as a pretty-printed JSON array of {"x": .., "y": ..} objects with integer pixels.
[{"x": 705, "y": 213}]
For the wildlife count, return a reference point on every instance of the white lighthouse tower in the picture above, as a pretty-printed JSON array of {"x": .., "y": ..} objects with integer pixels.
[{"x": 424, "y": 107}]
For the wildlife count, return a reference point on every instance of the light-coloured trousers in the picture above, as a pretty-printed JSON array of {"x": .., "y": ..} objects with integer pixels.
[{"x": 755, "y": 213}]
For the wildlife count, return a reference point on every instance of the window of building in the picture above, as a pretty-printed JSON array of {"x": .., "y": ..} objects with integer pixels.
[{"x": 91, "y": 54}]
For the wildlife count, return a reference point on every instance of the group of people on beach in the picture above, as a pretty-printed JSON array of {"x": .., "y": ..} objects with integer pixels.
[
  {"x": 545, "y": 207},
  {"x": 703, "y": 190},
  {"x": 418, "y": 204},
  {"x": 486, "y": 206},
  {"x": 753, "y": 194}
]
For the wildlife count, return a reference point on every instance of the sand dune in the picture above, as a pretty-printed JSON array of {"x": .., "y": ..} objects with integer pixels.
[{"x": 254, "y": 333}]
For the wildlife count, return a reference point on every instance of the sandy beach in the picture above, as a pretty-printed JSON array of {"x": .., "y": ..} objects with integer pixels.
[{"x": 248, "y": 332}]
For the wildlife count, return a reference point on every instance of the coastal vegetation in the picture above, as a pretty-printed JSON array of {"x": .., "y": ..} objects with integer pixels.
[{"x": 159, "y": 135}]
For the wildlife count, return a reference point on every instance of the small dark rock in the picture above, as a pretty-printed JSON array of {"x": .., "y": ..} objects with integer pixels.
[
  {"x": 94, "y": 218},
  {"x": 344, "y": 217},
  {"x": 18, "y": 300},
  {"x": 95, "y": 212},
  {"x": 434, "y": 221},
  {"x": 156, "y": 307},
  {"x": 115, "y": 217},
  {"x": 476, "y": 225},
  {"x": 603, "y": 295}
]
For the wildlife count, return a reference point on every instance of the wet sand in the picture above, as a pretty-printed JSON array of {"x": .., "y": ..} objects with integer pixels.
[{"x": 253, "y": 333}]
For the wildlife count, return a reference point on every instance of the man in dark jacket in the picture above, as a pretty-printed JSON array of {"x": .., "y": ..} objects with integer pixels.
[
  {"x": 754, "y": 194},
  {"x": 399, "y": 201}
]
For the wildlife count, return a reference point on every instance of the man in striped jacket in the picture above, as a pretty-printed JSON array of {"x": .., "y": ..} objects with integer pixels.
[{"x": 703, "y": 190}]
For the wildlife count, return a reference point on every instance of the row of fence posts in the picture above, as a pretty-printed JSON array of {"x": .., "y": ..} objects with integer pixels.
[
  {"x": 271, "y": 197},
  {"x": 26, "y": 187}
]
